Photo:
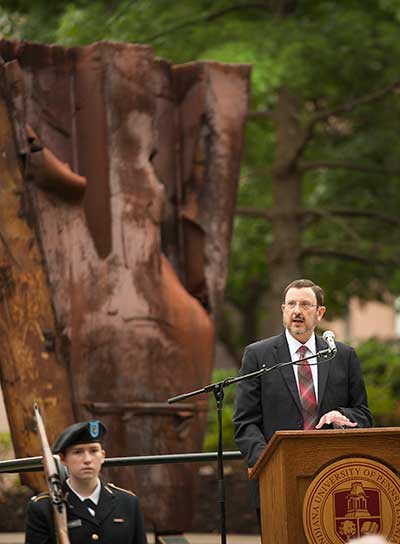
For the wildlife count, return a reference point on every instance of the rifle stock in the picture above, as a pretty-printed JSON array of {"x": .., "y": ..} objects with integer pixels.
[{"x": 53, "y": 482}]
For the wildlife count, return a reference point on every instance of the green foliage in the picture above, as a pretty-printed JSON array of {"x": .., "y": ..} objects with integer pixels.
[
  {"x": 327, "y": 53},
  {"x": 381, "y": 369},
  {"x": 10, "y": 24},
  {"x": 211, "y": 438},
  {"x": 5, "y": 442}
]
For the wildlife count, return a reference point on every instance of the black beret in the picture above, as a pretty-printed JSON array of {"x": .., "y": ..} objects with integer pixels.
[{"x": 80, "y": 433}]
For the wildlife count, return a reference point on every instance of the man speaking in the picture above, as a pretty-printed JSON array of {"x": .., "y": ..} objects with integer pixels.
[{"x": 307, "y": 396}]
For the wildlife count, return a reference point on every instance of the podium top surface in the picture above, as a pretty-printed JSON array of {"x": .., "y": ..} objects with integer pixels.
[{"x": 327, "y": 434}]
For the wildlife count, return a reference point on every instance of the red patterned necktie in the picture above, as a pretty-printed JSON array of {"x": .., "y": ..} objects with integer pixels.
[{"x": 306, "y": 390}]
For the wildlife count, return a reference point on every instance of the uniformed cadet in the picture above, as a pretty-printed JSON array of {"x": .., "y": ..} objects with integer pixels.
[{"x": 96, "y": 511}]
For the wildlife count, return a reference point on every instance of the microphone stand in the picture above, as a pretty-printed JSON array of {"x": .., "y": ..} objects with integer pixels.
[{"x": 218, "y": 389}]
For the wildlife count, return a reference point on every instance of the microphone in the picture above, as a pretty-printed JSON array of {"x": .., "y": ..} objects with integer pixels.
[{"x": 329, "y": 338}]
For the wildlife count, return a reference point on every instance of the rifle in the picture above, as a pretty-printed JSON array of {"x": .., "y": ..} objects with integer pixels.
[{"x": 53, "y": 481}]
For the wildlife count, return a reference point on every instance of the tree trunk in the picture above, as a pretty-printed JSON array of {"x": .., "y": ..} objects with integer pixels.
[{"x": 285, "y": 251}]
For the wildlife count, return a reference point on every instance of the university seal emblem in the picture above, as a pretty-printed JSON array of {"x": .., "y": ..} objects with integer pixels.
[{"x": 350, "y": 498}]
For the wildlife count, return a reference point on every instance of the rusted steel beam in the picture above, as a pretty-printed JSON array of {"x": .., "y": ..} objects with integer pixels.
[
  {"x": 129, "y": 172},
  {"x": 32, "y": 366}
]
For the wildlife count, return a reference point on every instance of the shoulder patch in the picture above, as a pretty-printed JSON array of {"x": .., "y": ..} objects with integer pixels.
[
  {"x": 119, "y": 489},
  {"x": 37, "y": 498}
]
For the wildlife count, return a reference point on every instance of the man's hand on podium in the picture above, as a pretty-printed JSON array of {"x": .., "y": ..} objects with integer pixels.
[{"x": 337, "y": 419}]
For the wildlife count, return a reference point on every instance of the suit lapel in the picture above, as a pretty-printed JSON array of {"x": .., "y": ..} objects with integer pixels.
[
  {"x": 323, "y": 370},
  {"x": 106, "y": 503},
  {"x": 281, "y": 354}
]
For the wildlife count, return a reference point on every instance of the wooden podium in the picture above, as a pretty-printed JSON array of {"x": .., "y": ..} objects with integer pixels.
[{"x": 295, "y": 459}]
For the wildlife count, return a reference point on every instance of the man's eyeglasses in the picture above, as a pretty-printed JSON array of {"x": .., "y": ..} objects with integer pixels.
[{"x": 291, "y": 305}]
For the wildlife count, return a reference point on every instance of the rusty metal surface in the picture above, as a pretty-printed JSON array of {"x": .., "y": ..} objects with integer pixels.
[
  {"x": 135, "y": 258},
  {"x": 31, "y": 369}
]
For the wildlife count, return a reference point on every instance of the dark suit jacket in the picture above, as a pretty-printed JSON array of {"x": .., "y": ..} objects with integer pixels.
[
  {"x": 271, "y": 402},
  {"x": 118, "y": 519}
]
